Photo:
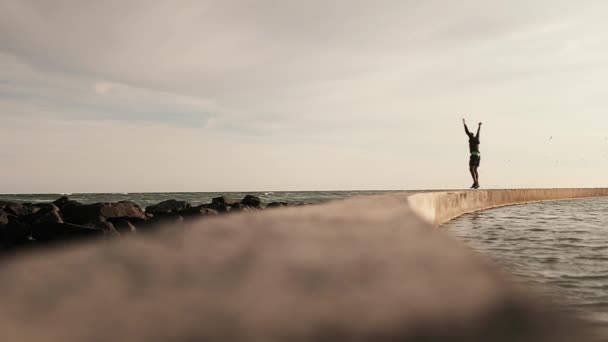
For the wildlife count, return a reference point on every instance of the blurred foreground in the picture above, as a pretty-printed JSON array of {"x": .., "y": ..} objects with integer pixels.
[{"x": 363, "y": 269}]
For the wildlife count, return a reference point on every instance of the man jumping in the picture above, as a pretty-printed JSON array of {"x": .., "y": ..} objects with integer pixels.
[{"x": 475, "y": 155}]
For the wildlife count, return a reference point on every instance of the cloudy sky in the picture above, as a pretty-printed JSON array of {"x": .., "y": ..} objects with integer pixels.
[{"x": 220, "y": 95}]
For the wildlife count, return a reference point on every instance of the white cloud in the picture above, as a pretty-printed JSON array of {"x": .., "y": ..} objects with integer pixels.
[{"x": 101, "y": 88}]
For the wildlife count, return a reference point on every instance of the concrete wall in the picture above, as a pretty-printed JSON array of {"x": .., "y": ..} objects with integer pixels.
[
  {"x": 362, "y": 269},
  {"x": 441, "y": 207}
]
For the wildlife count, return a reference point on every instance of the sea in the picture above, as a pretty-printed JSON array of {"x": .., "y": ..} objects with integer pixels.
[{"x": 558, "y": 247}]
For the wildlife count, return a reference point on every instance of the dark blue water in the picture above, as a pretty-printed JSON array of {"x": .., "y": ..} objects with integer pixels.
[{"x": 560, "y": 246}]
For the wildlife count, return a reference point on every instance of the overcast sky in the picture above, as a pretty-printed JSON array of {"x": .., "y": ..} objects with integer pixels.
[{"x": 220, "y": 95}]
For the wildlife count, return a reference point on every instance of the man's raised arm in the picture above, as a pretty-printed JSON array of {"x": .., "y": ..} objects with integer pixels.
[
  {"x": 466, "y": 129},
  {"x": 478, "y": 130}
]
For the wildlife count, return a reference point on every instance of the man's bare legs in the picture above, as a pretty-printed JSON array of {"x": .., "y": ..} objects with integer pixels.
[
  {"x": 476, "y": 176},
  {"x": 473, "y": 170}
]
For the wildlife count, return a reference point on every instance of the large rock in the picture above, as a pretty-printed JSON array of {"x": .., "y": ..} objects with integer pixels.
[
  {"x": 171, "y": 219},
  {"x": 123, "y": 209},
  {"x": 108, "y": 229},
  {"x": 83, "y": 214},
  {"x": 219, "y": 207},
  {"x": 46, "y": 223},
  {"x": 100, "y": 212},
  {"x": 17, "y": 209},
  {"x": 240, "y": 207},
  {"x": 134, "y": 221},
  {"x": 55, "y": 232},
  {"x": 46, "y": 213},
  {"x": 168, "y": 220},
  {"x": 65, "y": 203},
  {"x": 194, "y": 212},
  {"x": 124, "y": 226},
  {"x": 15, "y": 234},
  {"x": 4, "y": 218},
  {"x": 251, "y": 201},
  {"x": 167, "y": 207},
  {"x": 61, "y": 201},
  {"x": 277, "y": 205},
  {"x": 225, "y": 201}
]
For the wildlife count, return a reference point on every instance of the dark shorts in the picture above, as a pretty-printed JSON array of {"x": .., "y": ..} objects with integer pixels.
[{"x": 474, "y": 160}]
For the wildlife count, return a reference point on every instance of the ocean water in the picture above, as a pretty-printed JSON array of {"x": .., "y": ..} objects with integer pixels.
[
  {"x": 195, "y": 198},
  {"x": 560, "y": 247}
]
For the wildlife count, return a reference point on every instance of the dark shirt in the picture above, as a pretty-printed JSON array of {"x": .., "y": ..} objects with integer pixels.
[
  {"x": 473, "y": 139},
  {"x": 473, "y": 144}
]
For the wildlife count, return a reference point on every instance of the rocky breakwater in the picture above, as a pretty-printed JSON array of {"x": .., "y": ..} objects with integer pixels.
[{"x": 24, "y": 225}]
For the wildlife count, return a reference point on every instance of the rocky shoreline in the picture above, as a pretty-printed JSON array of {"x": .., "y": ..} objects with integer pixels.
[{"x": 26, "y": 225}]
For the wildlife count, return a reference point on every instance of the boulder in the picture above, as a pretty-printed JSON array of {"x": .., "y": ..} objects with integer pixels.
[
  {"x": 100, "y": 212},
  {"x": 44, "y": 206},
  {"x": 46, "y": 213},
  {"x": 61, "y": 201},
  {"x": 124, "y": 227},
  {"x": 171, "y": 219},
  {"x": 82, "y": 214},
  {"x": 15, "y": 234},
  {"x": 132, "y": 220},
  {"x": 123, "y": 209},
  {"x": 167, "y": 207},
  {"x": 17, "y": 209},
  {"x": 69, "y": 204},
  {"x": 54, "y": 232},
  {"x": 64, "y": 203},
  {"x": 225, "y": 201},
  {"x": 218, "y": 207},
  {"x": 277, "y": 205},
  {"x": 52, "y": 216},
  {"x": 252, "y": 201},
  {"x": 4, "y": 218},
  {"x": 198, "y": 211},
  {"x": 108, "y": 229},
  {"x": 168, "y": 220},
  {"x": 31, "y": 208},
  {"x": 240, "y": 207}
]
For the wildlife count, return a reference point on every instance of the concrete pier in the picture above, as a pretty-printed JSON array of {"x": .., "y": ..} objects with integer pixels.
[
  {"x": 441, "y": 207},
  {"x": 361, "y": 269}
]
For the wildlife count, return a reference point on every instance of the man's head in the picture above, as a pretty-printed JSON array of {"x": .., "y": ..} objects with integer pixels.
[{"x": 471, "y": 135}]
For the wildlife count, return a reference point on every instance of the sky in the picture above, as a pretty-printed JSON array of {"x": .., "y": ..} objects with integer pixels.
[{"x": 268, "y": 95}]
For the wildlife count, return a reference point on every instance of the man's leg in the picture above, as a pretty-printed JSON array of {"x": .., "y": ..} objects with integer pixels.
[
  {"x": 476, "y": 175},
  {"x": 472, "y": 170}
]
